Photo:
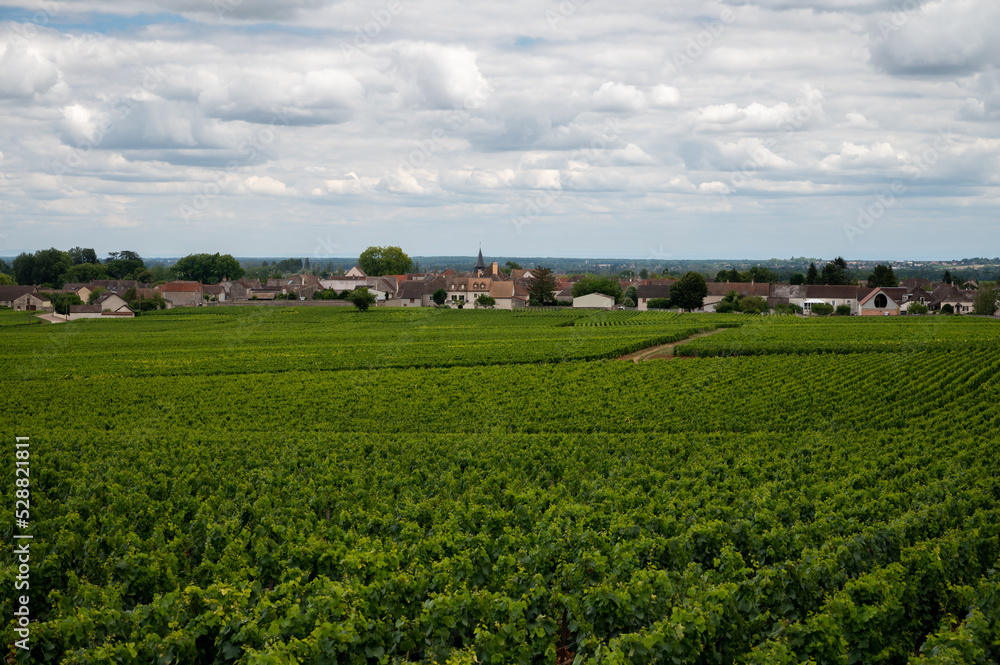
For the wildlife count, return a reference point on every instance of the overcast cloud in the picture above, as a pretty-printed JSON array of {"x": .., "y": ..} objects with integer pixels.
[{"x": 694, "y": 128}]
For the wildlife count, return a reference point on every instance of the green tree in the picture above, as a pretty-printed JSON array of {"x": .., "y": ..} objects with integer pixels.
[
  {"x": 609, "y": 286},
  {"x": 644, "y": 274},
  {"x": 882, "y": 276},
  {"x": 45, "y": 267},
  {"x": 439, "y": 297},
  {"x": 83, "y": 255},
  {"x": 754, "y": 305},
  {"x": 512, "y": 265},
  {"x": 985, "y": 302},
  {"x": 361, "y": 298},
  {"x": 94, "y": 295},
  {"x": 917, "y": 308},
  {"x": 61, "y": 302},
  {"x": 761, "y": 275},
  {"x": 947, "y": 309},
  {"x": 541, "y": 287},
  {"x": 123, "y": 265},
  {"x": 84, "y": 273},
  {"x": 632, "y": 293},
  {"x": 836, "y": 273},
  {"x": 159, "y": 274},
  {"x": 796, "y": 278},
  {"x": 486, "y": 301},
  {"x": 947, "y": 279},
  {"x": 6, "y": 280},
  {"x": 842, "y": 310},
  {"x": 689, "y": 291},
  {"x": 822, "y": 309},
  {"x": 377, "y": 261},
  {"x": 812, "y": 275},
  {"x": 208, "y": 268}
]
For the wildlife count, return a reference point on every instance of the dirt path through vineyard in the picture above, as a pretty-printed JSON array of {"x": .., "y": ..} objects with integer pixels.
[{"x": 665, "y": 351}]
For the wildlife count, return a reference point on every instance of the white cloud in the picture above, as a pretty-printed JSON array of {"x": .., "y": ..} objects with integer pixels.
[
  {"x": 265, "y": 185},
  {"x": 852, "y": 157},
  {"x": 25, "y": 73},
  {"x": 445, "y": 77}
]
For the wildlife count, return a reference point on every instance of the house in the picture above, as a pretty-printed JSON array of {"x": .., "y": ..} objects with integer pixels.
[
  {"x": 880, "y": 302},
  {"x": 508, "y": 295},
  {"x": 647, "y": 292},
  {"x": 356, "y": 271},
  {"x": 594, "y": 301},
  {"x": 95, "y": 311},
  {"x": 81, "y": 290},
  {"x": 462, "y": 290},
  {"x": 786, "y": 294},
  {"x": 182, "y": 294},
  {"x": 240, "y": 289},
  {"x": 961, "y": 301},
  {"x": 32, "y": 302},
  {"x": 112, "y": 302},
  {"x": 831, "y": 295},
  {"x": 214, "y": 291},
  {"x": 114, "y": 285},
  {"x": 719, "y": 290},
  {"x": 8, "y": 294}
]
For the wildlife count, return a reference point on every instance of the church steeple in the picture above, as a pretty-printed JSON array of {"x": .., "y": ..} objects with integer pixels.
[{"x": 480, "y": 266}]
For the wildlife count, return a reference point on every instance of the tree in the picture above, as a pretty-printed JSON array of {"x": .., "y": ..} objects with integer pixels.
[
  {"x": 439, "y": 297},
  {"x": 644, "y": 274},
  {"x": 628, "y": 302},
  {"x": 83, "y": 255},
  {"x": 947, "y": 279},
  {"x": 84, "y": 272},
  {"x": 376, "y": 261},
  {"x": 882, "y": 276},
  {"x": 61, "y": 302},
  {"x": 632, "y": 293},
  {"x": 947, "y": 309},
  {"x": 486, "y": 301},
  {"x": 361, "y": 298},
  {"x": 842, "y": 310},
  {"x": 122, "y": 265},
  {"x": 822, "y": 309},
  {"x": 541, "y": 287},
  {"x": 812, "y": 276},
  {"x": 94, "y": 295},
  {"x": 512, "y": 265},
  {"x": 609, "y": 286},
  {"x": 835, "y": 272},
  {"x": 208, "y": 268},
  {"x": 159, "y": 274},
  {"x": 46, "y": 267},
  {"x": 761, "y": 275},
  {"x": 917, "y": 308},
  {"x": 689, "y": 291},
  {"x": 658, "y": 303},
  {"x": 6, "y": 280},
  {"x": 797, "y": 278},
  {"x": 754, "y": 305},
  {"x": 985, "y": 303}
]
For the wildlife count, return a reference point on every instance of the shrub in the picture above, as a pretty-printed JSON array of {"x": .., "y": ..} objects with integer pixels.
[
  {"x": 843, "y": 310},
  {"x": 658, "y": 303},
  {"x": 948, "y": 309},
  {"x": 917, "y": 308},
  {"x": 822, "y": 309}
]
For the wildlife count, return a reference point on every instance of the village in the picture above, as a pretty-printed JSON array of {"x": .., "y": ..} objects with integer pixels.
[{"x": 485, "y": 285}]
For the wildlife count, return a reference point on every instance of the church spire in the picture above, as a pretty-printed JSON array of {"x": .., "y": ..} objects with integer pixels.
[{"x": 480, "y": 266}]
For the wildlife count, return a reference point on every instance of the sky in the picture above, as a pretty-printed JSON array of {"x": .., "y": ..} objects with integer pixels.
[{"x": 633, "y": 129}]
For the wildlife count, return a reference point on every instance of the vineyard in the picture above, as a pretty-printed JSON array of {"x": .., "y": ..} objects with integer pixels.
[{"x": 320, "y": 486}]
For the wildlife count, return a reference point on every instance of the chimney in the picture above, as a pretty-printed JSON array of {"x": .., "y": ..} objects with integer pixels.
[{"x": 495, "y": 268}]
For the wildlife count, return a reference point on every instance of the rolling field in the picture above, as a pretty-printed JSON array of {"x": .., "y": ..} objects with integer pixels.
[{"x": 255, "y": 485}]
